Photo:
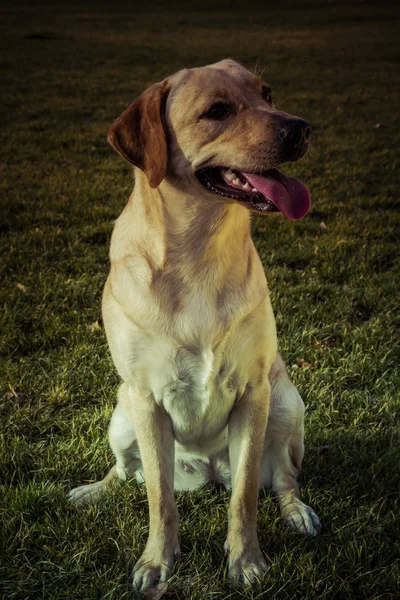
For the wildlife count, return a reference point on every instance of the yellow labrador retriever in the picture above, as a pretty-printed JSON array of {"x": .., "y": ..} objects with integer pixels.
[{"x": 205, "y": 397}]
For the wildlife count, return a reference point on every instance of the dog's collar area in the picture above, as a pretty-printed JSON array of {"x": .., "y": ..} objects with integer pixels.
[{"x": 231, "y": 183}]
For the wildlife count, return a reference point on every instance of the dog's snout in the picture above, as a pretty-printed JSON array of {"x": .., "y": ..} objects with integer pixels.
[{"x": 295, "y": 135}]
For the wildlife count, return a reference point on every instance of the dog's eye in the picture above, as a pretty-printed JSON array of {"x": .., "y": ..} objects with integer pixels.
[
  {"x": 266, "y": 93},
  {"x": 218, "y": 111}
]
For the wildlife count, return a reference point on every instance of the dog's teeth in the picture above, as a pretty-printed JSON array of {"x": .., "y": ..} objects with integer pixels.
[
  {"x": 236, "y": 181},
  {"x": 254, "y": 189},
  {"x": 246, "y": 186},
  {"x": 229, "y": 176}
]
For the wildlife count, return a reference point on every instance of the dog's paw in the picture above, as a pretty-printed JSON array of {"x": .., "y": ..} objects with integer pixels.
[
  {"x": 154, "y": 567},
  {"x": 87, "y": 494},
  {"x": 246, "y": 564},
  {"x": 303, "y": 519}
]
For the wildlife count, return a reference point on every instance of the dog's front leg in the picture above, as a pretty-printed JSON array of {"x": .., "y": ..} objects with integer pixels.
[
  {"x": 156, "y": 444},
  {"x": 247, "y": 424}
]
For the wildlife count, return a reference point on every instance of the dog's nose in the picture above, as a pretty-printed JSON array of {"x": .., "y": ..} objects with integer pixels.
[{"x": 295, "y": 135}]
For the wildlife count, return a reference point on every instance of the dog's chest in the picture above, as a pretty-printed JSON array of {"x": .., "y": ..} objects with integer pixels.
[{"x": 195, "y": 398}]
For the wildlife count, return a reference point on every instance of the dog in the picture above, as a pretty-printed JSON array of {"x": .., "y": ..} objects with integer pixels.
[{"x": 206, "y": 398}]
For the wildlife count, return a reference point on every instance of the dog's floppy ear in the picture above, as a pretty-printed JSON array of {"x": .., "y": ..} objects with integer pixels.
[{"x": 139, "y": 133}]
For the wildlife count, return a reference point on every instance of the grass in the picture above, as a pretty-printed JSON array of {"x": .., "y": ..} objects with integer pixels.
[{"x": 67, "y": 71}]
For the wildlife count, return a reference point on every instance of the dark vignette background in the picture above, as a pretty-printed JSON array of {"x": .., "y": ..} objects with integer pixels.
[{"x": 67, "y": 70}]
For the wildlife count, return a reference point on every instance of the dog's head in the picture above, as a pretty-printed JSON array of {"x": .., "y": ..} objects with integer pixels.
[{"x": 216, "y": 128}]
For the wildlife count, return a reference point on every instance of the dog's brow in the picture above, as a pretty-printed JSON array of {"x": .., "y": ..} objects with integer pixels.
[
  {"x": 211, "y": 96},
  {"x": 221, "y": 94}
]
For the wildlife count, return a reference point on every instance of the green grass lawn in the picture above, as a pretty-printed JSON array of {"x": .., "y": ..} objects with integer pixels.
[{"x": 67, "y": 71}]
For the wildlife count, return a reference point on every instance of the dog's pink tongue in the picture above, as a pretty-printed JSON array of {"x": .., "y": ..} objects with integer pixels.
[{"x": 287, "y": 193}]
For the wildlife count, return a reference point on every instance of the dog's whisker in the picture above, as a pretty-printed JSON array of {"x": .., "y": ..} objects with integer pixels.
[{"x": 256, "y": 65}]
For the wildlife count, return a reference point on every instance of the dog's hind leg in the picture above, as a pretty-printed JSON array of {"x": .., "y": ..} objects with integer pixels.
[
  {"x": 124, "y": 445},
  {"x": 284, "y": 450}
]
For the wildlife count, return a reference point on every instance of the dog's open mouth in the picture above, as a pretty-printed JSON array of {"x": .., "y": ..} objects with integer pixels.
[{"x": 270, "y": 192}]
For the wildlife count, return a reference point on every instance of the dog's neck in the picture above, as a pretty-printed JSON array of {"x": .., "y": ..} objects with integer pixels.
[{"x": 204, "y": 239}]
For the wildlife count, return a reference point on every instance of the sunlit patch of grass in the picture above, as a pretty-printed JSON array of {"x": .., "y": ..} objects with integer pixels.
[{"x": 333, "y": 278}]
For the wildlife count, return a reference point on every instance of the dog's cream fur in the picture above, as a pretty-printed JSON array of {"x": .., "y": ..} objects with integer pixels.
[{"x": 190, "y": 326}]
